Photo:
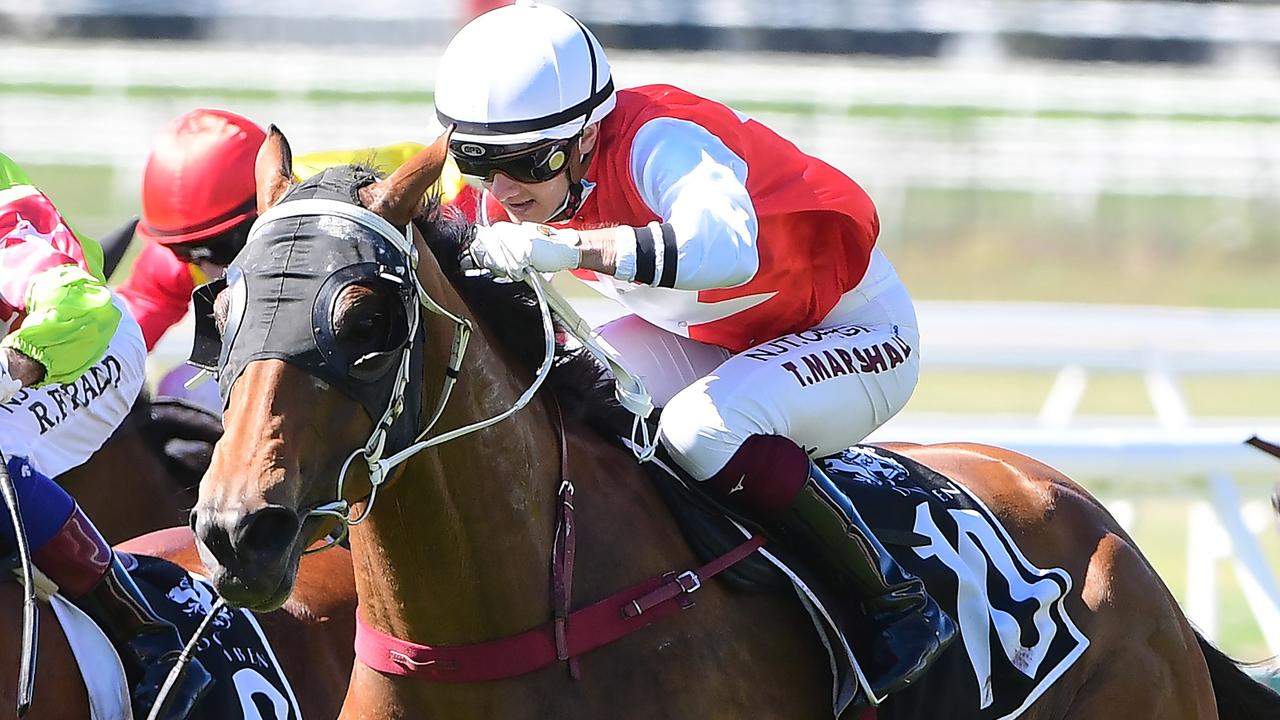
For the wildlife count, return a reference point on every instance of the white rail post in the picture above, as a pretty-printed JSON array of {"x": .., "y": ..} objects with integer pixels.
[
  {"x": 1256, "y": 579},
  {"x": 1064, "y": 397},
  {"x": 1206, "y": 544},
  {"x": 1166, "y": 399}
]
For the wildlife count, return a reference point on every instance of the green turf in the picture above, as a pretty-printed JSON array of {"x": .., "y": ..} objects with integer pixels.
[
  {"x": 950, "y": 114},
  {"x": 1014, "y": 392},
  {"x": 987, "y": 245},
  {"x": 82, "y": 192},
  {"x": 980, "y": 392}
]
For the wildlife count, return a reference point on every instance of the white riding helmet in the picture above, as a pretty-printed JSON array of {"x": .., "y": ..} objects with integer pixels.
[{"x": 520, "y": 74}]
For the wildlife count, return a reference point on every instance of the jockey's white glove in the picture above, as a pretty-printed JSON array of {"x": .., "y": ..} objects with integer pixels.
[
  {"x": 512, "y": 249},
  {"x": 9, "y": 385}
]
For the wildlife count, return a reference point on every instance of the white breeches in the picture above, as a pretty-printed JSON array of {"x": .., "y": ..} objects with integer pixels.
[{"x": 825, "y": 388}]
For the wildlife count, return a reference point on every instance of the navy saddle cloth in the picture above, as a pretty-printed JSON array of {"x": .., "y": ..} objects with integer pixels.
[
  {"x": 1016, "y": 638},
  {"x": 250, "y": 684}
]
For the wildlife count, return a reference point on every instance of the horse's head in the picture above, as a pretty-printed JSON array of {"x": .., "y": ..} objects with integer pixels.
[{"x": 313, "y": 334}]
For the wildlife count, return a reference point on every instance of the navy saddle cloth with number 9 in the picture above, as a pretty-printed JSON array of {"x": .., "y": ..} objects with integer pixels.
[{"x": 250, "y": 684}]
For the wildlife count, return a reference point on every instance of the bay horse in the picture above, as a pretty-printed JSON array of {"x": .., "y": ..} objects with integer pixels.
[
  {"x": 454, "y": 548},
  {"x": 310, "y": 635}
]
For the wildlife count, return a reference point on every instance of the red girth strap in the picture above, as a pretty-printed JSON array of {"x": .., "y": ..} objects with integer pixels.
[
  {"x": 589, "y": 628},
  {"x": 568, "y": 635}
]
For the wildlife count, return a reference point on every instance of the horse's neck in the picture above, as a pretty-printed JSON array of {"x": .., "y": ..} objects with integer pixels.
[{"x": 457, "y": 549}]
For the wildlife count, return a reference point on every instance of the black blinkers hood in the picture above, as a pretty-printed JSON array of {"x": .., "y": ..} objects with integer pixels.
[{"x": 281, "y": 291}]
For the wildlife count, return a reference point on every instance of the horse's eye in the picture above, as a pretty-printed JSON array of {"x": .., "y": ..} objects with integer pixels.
[
  {"x": 363, "y": 325},
  {"x": 368, "y": 325}
]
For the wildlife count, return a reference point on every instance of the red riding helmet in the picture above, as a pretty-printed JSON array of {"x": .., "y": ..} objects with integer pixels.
[{"x": 199, "y": 180}]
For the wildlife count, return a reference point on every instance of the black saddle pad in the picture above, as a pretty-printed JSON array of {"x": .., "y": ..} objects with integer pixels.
[
  {"x": 1015, "y": 636},
  {"x": 250, "y": 685}
]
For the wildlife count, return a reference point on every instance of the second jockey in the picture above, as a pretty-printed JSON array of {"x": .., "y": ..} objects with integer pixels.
[
  {"x": 198, "y": 203},
  {"x": 765, "y": 320},
  {"x": 197, "y": 206},
  {"x": 71, "y": 364}
]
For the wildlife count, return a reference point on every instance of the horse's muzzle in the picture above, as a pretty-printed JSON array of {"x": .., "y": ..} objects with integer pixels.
[{"x": 251, "y": 556}]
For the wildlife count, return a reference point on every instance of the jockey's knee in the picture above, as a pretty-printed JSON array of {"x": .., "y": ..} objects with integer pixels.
[{"x": 702, "y": 434}]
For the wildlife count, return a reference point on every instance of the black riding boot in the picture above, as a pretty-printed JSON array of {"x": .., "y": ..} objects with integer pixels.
[
  {"x": 89, "y": 574},
  {"x": 912, "y": 629}
]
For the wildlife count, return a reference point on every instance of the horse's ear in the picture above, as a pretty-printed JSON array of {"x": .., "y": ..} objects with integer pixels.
[
  {"x": 397, "y": 197},
  {"x": 273, "y": 169}
]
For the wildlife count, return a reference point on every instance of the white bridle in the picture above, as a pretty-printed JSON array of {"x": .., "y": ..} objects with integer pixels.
[{"x": 630, "y": 389}]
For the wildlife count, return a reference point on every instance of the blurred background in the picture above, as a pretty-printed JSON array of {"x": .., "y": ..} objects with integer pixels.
[{"x": 1084, "y": 195}]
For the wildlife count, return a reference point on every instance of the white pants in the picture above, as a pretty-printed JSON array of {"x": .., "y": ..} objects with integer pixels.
[
  {"x": 825, "y": 388},
  {"x": 57, "y": 427}
]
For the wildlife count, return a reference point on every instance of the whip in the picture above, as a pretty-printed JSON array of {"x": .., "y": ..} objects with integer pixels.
[{"x": 30, "y": 620}]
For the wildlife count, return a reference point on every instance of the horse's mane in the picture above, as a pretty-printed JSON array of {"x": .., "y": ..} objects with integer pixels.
[{"x": 582, "y": 386}]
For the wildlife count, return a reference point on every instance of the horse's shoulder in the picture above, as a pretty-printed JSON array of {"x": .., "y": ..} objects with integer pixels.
[{"x": 175, "y": 544}]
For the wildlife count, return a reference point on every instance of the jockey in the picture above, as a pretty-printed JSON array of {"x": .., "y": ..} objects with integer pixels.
[
  {"x": 765, "y": 320},
  {"x": 71, "y": 364},
  {"x": 198, "y": 203}
]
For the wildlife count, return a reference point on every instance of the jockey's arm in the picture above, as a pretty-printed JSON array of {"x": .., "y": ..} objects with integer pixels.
[
  {"x": 158, "y": 291},
  {"x": 26, "y": 371},
  {"x": 697, "y": 185},
  {"x": 70, "y": 318},
  {"x": 67, "y": 314}
]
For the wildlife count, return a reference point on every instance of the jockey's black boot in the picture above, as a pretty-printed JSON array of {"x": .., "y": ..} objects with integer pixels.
[
  {"x": 774, "y": 484},
  {"x": 89, "y": 574},
  {"x": 912, "y": 630}
]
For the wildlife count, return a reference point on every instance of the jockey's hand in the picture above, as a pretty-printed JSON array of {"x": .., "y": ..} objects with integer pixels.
[
  {"x": 17, "y": 370},
  {"x": 512, "y": 249}
]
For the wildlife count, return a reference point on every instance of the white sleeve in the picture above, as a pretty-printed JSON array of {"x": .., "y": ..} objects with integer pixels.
[{"x": 698, "y": 186}]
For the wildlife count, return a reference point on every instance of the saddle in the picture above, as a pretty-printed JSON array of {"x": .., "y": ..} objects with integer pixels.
[
  {"x": 871, "y": 477},
  {"x": 711, "y": 530}
]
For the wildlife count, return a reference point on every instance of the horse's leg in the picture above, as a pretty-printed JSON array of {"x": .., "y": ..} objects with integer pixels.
[
  {"x": 60, "y": 693},
  {"x": 1146, "y": 659}
]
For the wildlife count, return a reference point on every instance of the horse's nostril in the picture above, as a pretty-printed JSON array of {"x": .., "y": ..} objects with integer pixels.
[
  {"x": 269, "y": 530},
  {"x": 212, "y": 534}
]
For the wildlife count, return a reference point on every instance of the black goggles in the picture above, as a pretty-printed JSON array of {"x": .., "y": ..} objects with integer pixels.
[
  {"x": 219, "y": 249},
  {"x": 528, "y": 163}
]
